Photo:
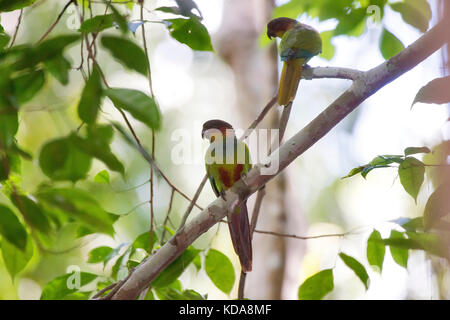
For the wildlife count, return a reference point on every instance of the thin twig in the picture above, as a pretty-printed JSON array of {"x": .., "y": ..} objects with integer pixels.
[
  {"x": 172, "y": 193},
  {"x": 260, "y": 117},
  {"x": 56, "y": 21},
  {"x": 19, "y": 20},
  {"x": 278, "y": 234},
  {"x": 191, "y": 205}
]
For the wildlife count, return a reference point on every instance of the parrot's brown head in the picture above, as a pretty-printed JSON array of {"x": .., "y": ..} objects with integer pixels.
[
  {"x": 214, "y": 127},
  {"x": 277, "y": 27}
]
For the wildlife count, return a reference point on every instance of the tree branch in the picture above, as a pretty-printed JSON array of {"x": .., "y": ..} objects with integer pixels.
[{"x": 362, "y": 88}]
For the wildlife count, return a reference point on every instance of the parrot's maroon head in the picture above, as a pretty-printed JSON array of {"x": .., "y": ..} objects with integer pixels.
[
  {"x": 214, "y": 127},
  {"x": 277, "y": 27}
]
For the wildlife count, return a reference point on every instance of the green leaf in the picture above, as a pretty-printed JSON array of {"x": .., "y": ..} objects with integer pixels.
[
  {"x": 91, "y": 98},
  {"x": 11, "y": 5},
  {"x": 120, "y": 267},
  {"x": 357, "y": 268},
  {"x": 410, "y": 224},
  {"x": 317, "y": 286},
  {"x": 32, "y": 212},
  {"x": 143, "y": 241},
  {"x": 435, "y": 91},
  {"x": 420, "y": 241},
  {"x": 149, "y": 295},
  {"x": 291, "y": 9},
  {"x": 11, "y": 229},
  {"x": 197, "y": 262},
  {"x": 175, "y": 294},
  {"x": 16, "y": 260},
  {"x": 60, "y": 159},
  {"x": 417, "y": 13},
  {"x": 350, "y": 21},
  {"x": 99, "y": 254},
  {"x": 102, "y": 177},
  {"x": 61, "y": 286},
  {"x": 190, "y": 32},
  {"x": 365, "y": 171},
  {"x": 119, "y": 19},
  {"x": 437, "y": 207},
  {"x": 220, "y": 270},
  {"x": 328, "y": 49},
  {"x": 97, "y": 144},
  {"x": 399, "y": 255},
  {"x": 354, "y": 171},
  {"x": 176, "y": 268},
  {"x": 80, "y": 205},
  {"x": 172, "y": 10},
  {"x": 114, "y": 253},
  {"x": 45, "y": 51},
  {"x": 138, "y": 104},
  {"x": 375, "y": 251},
  {"x": 28, "y": 85},
  {"x": 386, "y": 159},
  {"x": 4, "y": 38},
  {"x": 389, "y": 44},
  {"x": 411, "y": 173},
  {"x": 414, "y": 150},
  {"x": 59, "y": 67},
  {"x": 127, "y": 52},
  {"x": 9, "y": 163},
  {"x": 97, "y": 23},
  {"x": 9, "y": 124}
]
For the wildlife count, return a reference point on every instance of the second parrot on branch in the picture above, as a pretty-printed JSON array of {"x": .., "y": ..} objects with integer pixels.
[{"x": 299, "y": 43}]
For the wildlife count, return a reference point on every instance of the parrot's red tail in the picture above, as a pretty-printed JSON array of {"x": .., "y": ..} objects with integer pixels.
[
  {"x": 289, "y": 80},
  {"x": 240, "y": 236}
]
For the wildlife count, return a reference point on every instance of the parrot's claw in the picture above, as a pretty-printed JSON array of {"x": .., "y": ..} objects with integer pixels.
[{"x": 222, "y": 194}]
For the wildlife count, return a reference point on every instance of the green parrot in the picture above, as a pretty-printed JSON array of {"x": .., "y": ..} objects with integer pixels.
[
  {"x": 299, "y": 43},
  {"x": 227, "y": 159}
]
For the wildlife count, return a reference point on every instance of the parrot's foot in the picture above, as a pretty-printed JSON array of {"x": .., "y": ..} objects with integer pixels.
[{"x": 222, "y": 194}]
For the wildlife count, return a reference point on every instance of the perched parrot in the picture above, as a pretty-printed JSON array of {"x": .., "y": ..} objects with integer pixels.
[
  {"x": 299, "y": 43},
  {"x": 227, "y": 159}
]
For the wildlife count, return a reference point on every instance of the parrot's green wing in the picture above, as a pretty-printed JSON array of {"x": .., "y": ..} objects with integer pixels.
[
  {"x": 211, "y": 180},
  {"x": 301, "y": 42}
]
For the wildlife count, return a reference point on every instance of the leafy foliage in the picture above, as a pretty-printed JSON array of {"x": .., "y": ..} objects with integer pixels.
[
  {"x": 390, "y": 45},
  {"x": 375, "y": 251},
  {"x": 190, "y": 32},
  {"x": 357, "y": 268},
  {"x": 317, "y": 286},
  {"x": 176, "y": 268},
  {"x": 411, "y": 171},
  {"x": 11, "y": 229},
  {"x": 62, "y": 286},
  {"x": 127, "y": 52},
  {"x": 220, "y": 270},
  {"x": 141, "y": 106}
]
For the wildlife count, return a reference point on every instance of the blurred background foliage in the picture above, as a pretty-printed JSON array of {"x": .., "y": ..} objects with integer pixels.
[{"x": 75, "y": 188}]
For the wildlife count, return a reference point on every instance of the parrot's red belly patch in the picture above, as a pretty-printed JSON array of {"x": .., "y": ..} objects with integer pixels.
[
  {"x": 225, "y": 177},
  {"x": 229, "y": 177},
  {"x": 238, "y": 171}
]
